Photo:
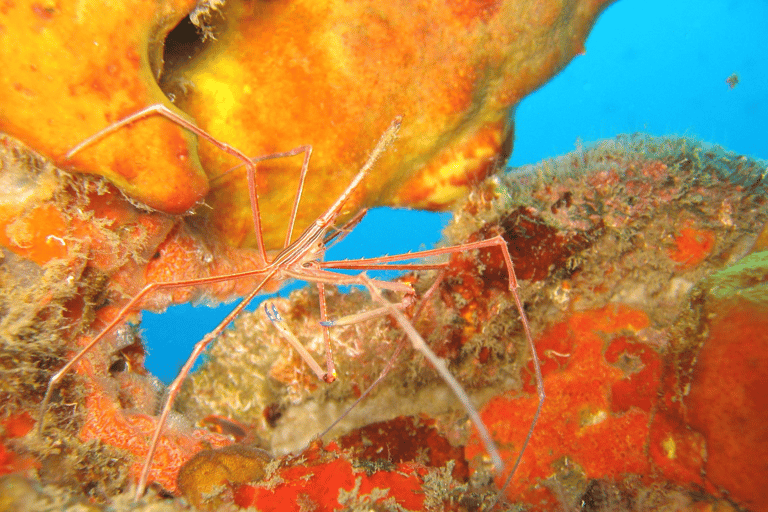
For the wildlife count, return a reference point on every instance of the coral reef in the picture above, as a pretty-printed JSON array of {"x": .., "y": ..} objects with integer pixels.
[
  {"x": 627, "y": 249},
  {"x": 77, "y": 247},
  {"x": 642, "y": 273},
  {"x": 140, "y": 208}
]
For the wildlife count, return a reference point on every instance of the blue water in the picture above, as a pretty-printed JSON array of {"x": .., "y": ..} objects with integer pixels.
[{"x": 654, "y": 66}]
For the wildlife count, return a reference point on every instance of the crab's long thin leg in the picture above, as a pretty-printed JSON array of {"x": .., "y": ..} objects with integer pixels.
[
  {"x": 390, "y": 364},
  {"x": 162, "y": 110},
  {"x": 318, "y": 275},
  {"x": 381, "y": 262},
  {"x": 132, "y": 305},
  {"x": 537, "y": 372},
  {"x": 386, "y": 139},
  {"x": 175, "y": 387},
  {"x": 364, "y": 316},
  {"x": 307, "y": 150},
  {"x": 442, "y": 369}
]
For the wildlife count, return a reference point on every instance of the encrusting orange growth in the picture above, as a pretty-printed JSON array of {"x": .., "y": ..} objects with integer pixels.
[
  {"x": 15, "y": 426},
  {"x": 37, "y": 236},
  {"x": 109, "y": 424},
  {"x": 691, "y": 246},
  {"x": 71, "y": 68},
  {"x": 120, "y": 413},
  {"x": 284, "y": 74},
  {"x": 604, "y": 413},
  {"x": 578, "y": 416},
  {"x": 651, "y": 380},
  {"x": 95, "y": 245},
  {"x": 339, "y": 481},
  {"x": 287, "y": 74}
]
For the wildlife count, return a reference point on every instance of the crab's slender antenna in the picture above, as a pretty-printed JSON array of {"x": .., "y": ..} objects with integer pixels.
[
  {"x": 299, "y": 193},
  {"x": 539, "y": 392},
  {"x": 340, "y": 232}
]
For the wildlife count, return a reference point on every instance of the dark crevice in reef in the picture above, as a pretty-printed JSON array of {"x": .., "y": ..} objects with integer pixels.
[
  {"x": 183, "y": 44},
  {"x": 194, "y": 34}
]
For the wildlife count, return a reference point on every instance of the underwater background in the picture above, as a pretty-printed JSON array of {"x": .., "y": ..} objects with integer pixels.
[{"x": 663, "y": 67}]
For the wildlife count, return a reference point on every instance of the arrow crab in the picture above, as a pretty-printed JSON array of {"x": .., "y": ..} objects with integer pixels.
[{"x": 302, "y": 258}]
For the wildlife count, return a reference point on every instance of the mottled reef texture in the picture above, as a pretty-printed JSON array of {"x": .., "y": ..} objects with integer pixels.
[{"x": 643, "y": 264}]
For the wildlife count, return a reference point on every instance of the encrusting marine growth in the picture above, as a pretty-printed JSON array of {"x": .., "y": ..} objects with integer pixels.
[
  {"x": 82, "y": 246},
  {"x": 89, "y": 248},
  {"x": 269, "y": 76},
  {"x": 644, "y": 261},
  {"x": 641, "y": 258}
]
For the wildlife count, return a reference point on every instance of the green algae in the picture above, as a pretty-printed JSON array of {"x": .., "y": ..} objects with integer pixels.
[{"x": 747, "y": 279}]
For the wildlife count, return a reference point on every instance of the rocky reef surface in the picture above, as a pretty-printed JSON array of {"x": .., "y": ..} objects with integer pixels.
[{"x": 642, "y": 265}]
